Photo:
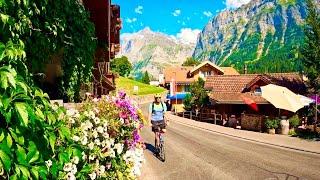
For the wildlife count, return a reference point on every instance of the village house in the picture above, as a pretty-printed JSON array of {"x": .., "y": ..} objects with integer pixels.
[
  {"x": 228, "y": 94},
  {"x": 179, "y": 79}
]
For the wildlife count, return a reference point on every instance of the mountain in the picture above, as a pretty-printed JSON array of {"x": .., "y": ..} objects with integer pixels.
[
  {"x": 152, "y": 51},
  {"x": 264, "y": 34}
]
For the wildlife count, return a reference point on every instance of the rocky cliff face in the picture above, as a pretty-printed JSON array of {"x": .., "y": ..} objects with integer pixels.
[
  {"x": 265, "y": 34},
  {"x": 151, "y": 51}
]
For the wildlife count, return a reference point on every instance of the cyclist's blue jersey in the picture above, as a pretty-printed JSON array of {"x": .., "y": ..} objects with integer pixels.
[{"x": 157, "y": 113}]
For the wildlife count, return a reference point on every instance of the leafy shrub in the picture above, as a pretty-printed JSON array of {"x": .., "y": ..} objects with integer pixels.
[
  {"x": 272, "y": 123},
  {"x": 187, "y": 102},
  {"x": 294, "y": 121},
  {"x": 29, "y": 128}
]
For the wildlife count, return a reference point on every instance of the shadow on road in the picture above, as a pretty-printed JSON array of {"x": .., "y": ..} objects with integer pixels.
[{"x": 150, "y": 148}]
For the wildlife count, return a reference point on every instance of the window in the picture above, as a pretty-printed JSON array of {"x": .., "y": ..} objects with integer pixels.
[{"x": 257, "y": 91}]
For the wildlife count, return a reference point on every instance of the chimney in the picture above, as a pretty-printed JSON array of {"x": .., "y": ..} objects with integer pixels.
[{"x": 245, "y": 69}]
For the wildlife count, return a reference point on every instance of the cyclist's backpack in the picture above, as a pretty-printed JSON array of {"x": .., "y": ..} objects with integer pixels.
[{"x": 153, "y": 107}]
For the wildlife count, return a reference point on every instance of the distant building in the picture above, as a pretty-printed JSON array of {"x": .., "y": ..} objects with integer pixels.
[
  {"x": 106, "y": 17},
  {"x": 178, "y": 79}
]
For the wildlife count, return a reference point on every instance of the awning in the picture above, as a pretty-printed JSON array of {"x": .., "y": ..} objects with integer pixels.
[{"x": 179, "y": 96}]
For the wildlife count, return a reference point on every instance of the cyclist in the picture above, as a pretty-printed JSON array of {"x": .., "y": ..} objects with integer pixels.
[{"x": 157, "y": 110}]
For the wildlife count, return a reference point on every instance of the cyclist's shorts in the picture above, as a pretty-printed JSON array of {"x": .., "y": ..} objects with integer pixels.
[{"x": 158, "y": 125}]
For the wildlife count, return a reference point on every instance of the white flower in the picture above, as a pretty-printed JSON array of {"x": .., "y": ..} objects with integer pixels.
[
  {"x": 92, "y": 157},
  {"x": 100, "y": 129},
  {"x": 93, "y": 175},
  {"x": 97, "y": 142},
  {"x": 77, "y": 115},
  {"x": 105, "y": 125},
  {"x": 67, "y": 167},
  {"x": 91, "y": 145},
  {"x": 102, "y": 169},
  {"x": 106, "y": 135},
  {"x": 76, "y": 138},
  {"x": 89, "y": 125},
  {"x": 84, "y": 156},
  {"x": 71, "y": 112},
  {"x": 96, "y": 120},
  {"x": 122, "y": 120},
  {"x": 112, "y": 142},
  {"x": 92, "y": 115},
  {"x": 70, "y": 176},
  {"x": 84, "y": 141},
  {"x": 112, "y": 153},
  {"x": 75, "y": 160},
  {"x": 119, "y": 148},
  {"x": 48, "y": 163},
  {"x": 74, "y": 169},
  {"x": 71, "y": 120},
  {"x": 95, "y": 134}
]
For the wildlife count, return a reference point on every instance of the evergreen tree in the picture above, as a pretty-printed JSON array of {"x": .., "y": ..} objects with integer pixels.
[
  {"x": 146, "y": 78},
  {"x": 311, "y": 50}
]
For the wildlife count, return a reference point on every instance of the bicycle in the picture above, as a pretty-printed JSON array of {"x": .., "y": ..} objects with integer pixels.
[{"x": 160, "y": 148}]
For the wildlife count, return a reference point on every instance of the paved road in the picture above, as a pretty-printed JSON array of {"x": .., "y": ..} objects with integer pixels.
[{"x": 197, "y": 154}]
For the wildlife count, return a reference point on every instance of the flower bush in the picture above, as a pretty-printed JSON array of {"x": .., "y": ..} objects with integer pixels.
[{"x": 107, "y": 133}]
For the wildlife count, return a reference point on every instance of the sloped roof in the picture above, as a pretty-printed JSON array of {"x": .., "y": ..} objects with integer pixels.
[
  {"x": 229, "y": 71},
  {"x": 228, "y": 83},
  {"x": 239, "y": 83},
  {"x": 292, "y": 81},
  {"x": 203, "y": 64},
  {"x": 235, "y": 98},
  {"x": 180, "y": 74}
]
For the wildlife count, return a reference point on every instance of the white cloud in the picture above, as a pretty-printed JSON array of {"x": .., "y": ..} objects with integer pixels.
[
  {"x": 176, "y": 12},
  {"x": 188, "y": 35},
  {"x": 132, "y": 20},
  {"x": 207, "y": 13},
  {"x": 232, "y": 4},
  {"x": 138, "y": 9}
]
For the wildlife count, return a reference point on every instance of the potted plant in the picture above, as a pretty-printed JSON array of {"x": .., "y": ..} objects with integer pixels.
[
  {"x": 271, "y": 125},
  {"x": 294, "y": 122},
  {"x": 284, "y": 125}
]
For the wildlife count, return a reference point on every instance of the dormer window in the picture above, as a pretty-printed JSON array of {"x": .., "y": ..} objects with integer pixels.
[{"x": 257, "y": 91}]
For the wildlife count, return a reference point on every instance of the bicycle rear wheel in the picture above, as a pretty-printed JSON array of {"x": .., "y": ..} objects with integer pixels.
[{"x": 161, "y": 148}]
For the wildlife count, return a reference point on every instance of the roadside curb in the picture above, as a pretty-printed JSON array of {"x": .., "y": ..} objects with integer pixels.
[{"x": 248, "y": 139}]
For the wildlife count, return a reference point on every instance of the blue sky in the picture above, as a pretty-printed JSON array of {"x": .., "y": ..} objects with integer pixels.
[{"x": 170, "y": 16}]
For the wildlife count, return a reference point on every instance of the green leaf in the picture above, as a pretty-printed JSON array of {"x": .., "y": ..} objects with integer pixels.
[
  {"x": 1, "y": 135},
  {"x": 17, "y": 138},
  {"x": 51, "y": 118},
  {"x": 64, "y": 157},
  {"x": 3, "y": 80},
  {"x": 33, "y": 154},
  {"x": 65, "y": 132},
  {"x": 39, "y": 113},
  {"x": 6, "y": 161},
  {"x": 9, "y": 140},
  {"x": 43, "y": 172},
  {"x": 21, "y": 155},
  {"x": 22, "y": 111},
  {"x": 25, "y": 171},
  {"x": 52, "y": 140},
  {"x": 14, "y": 177},
  {"x": 35, "y": 172}
]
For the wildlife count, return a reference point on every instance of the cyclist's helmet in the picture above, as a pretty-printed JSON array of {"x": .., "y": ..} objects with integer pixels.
[{"x": 157, "y": 96}]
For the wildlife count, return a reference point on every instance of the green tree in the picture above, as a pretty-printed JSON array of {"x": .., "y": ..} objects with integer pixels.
[
  {"x": 49, "y": 34},
  {"x": 191, "y": 62},
  {"x": 146, "y": 78},
  {"x": 187, "y": 102},
  {"x": 311, "y": 50},
  {"x": 122, "y": 66},
  {"x": 199, "y": 94}
]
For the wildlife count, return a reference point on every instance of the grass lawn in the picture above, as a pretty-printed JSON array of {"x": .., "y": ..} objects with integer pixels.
[{"x": 144, "y": 89}]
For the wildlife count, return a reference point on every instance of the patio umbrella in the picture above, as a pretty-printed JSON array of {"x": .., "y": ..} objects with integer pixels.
[
  {"x": 252, "y": 104},
  {"x": 305, "y": 100},
  {"x": 281, "y": 97}
]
